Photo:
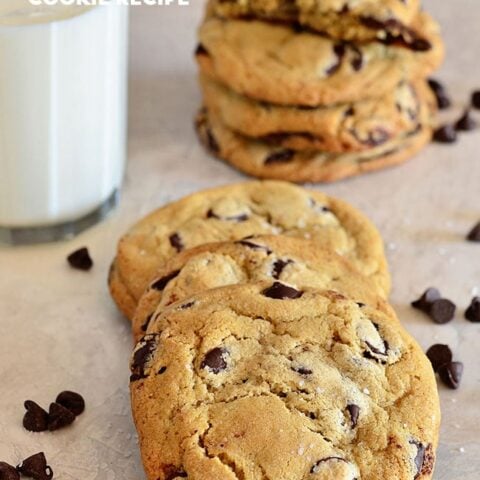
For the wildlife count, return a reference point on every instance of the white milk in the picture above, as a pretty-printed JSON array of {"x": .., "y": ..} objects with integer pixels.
[{"x": 63, "y": 86}]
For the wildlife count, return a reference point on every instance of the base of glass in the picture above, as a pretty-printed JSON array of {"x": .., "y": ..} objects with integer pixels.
[{"x": 63, "y": 231}]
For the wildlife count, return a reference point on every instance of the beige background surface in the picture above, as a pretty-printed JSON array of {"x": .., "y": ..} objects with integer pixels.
[{"x": 60, "y": 330}]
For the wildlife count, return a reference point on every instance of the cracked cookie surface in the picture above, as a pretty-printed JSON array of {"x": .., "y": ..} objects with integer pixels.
[
  {"x": 293, "y": 261},
  {"x": 339, "y": 128},
  {"x": 266, "y": 382},
  {"x": 353, "y": 20},
  {"x": 277, "y": 64},
  {"x": 234, "y": 212}
]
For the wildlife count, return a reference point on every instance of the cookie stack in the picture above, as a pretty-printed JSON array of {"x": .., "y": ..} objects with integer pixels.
[
  {"x": 266, "y": 348},
  {"x": 316, "y": 90}
]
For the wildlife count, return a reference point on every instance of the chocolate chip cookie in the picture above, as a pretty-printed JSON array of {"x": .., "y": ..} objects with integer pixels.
[
  {"x": 338, "y": 128},
  {"x": 266, "y": 160},
  {"x": 293, "y": 261},
  {"x": 354, "y": 20},
  {"x": 264, "y": 381},
  {"x": 235, "y": 212},
  {"x": 278, "y": 64}
]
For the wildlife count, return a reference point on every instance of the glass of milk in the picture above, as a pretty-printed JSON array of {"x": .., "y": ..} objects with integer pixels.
[{"x": 63, "y": 90}]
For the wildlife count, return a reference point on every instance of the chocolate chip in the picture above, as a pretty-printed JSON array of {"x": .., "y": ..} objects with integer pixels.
[
  {"x": 316, "y": 467},
  {"x": 451, "y": 374},
  {"x": 282, "y": 156},
  {"x": 476, "y": 99},
  {"x": 419, "y": 457},
  {"x": 35, "y": 418},
  {"x": 442, "y": 311},
  {"x": 278, "y": 267},
  {"x": 339, "y": 50},
  {"x": 201, "y": 50},
  {"x": 301, "y": 370},
  {"x": 176, "y": 242},
  {"x": 142, "y": 355},
  {"x": 234, "y": 218},
  {"x": 7, "y": 472},
  {"x": 215, "y": 361},
  {"x": 473, "y": 311},
  {"x": 36, "y": 467},
  {"x": 445, "y": 134},
  {"x": 279, "y": 291},
  {"x": 72, "y": 401},
  {"x": 80, "y": 259},
  {"x": 466, "y": 123},
  {"x": 426, "y": 300},
  {"x": 146, "y": 323},
  {"x": 162, "y": 370},
  {"x": 354, "y": 411},
  {"x": 439, "y": 355},
  {"x": 375, "y": 137},
  {"x": 474, "y": 234},
  {"x": 254, "y": 246},
  {"x": 357, "y": 60},
  {"x": 59, "y": 417},
  {"x": 161, "y": 283},
  {"x": 170, "y": 472},
  {"x": 187, "y": 305},
  {"x": 441, "y": 94}
]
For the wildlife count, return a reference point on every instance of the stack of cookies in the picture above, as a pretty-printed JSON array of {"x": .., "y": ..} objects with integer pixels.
[
  {"x": 316, "y": 90},
  {"x": 266, "y": 348}
]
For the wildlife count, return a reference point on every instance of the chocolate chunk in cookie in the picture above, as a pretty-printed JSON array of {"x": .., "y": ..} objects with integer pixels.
[
  {"x": 280, "y": 291},
  {"x": 215, "y": 360},
  {"x": 441, "y": 94}
]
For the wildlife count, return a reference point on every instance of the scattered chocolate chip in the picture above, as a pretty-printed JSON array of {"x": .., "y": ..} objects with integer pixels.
[
  {"x": 161, "y": 283},
  {"x": 142, "y": 355},
  {"x": 361, "y": 305},
  {"x": 162, "y": 370},
  {"x": 354, "y": 411},
  {"x": 301, "y": 370},
  {"x": 474, "y": 234},
  {"x": 215, "y": 361},
  {"x": 466, "y": 123},
  {"x": 35, "y": 418},
  {"x": 71, "y": 401},
  {"x": 442, "y": 311},
  {"x": 376, "y": 350},
  {"x": 80, "y": 259},
  {"x": 235, "y": 218},
  {"x": 36, "y": 467},
  {"x": 7, "y": 472},
  {"x": 451, "y": 374},
  {"x": 176, "y": 242},
  {"x": 317, "y": 466},
  {"x": 278, "y": 267},
  {"x": 282, "y": 156},
  {"x": 426, "y": 300},
  {"x": 375, "y": 137},
  {"x": 476, "y": 99},
  {"x": 439, "y": 355},
  {"x": 441, "y": 94},
  {"x": 279, "y": 291},
  {"x": 445, "y": 134},
  {"x": 59, "y": 417},
  {"x": 473, "y": 311},
  {"x": 254, "y": 246}
]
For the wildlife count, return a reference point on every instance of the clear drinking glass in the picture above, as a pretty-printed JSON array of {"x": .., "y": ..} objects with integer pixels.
[{"x": 63, "y": 109}]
